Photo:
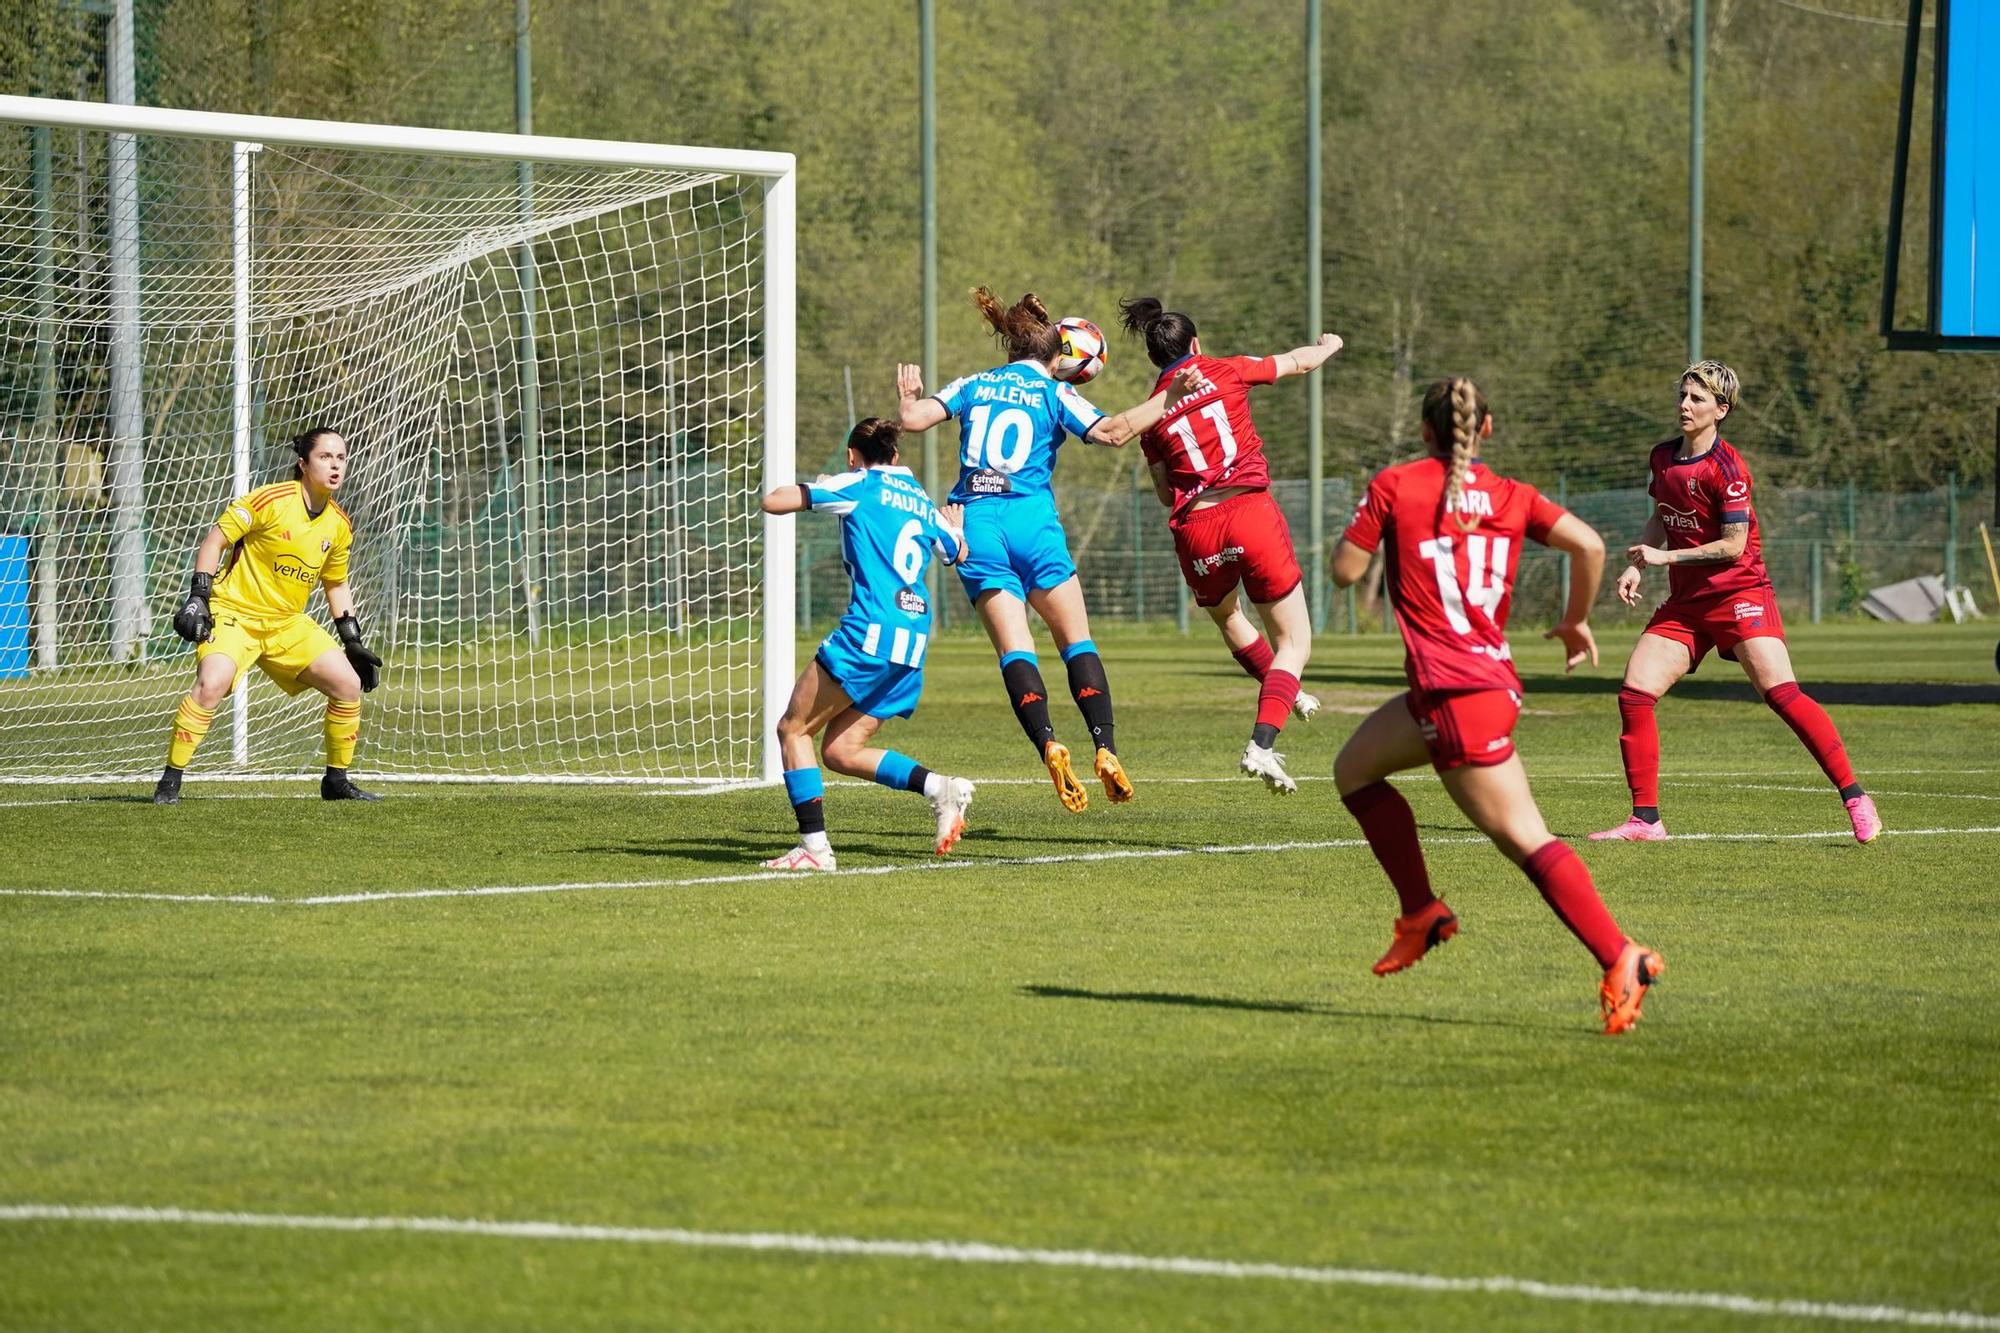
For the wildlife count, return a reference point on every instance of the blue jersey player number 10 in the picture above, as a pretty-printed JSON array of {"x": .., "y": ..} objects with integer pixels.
[{"x": 1012, "y": 419}]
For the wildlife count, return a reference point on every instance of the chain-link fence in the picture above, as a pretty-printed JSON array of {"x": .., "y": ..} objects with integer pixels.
[{"x": 1825, "y": 548}]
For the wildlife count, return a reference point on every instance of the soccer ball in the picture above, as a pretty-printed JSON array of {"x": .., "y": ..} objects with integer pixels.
[{"x": 1082, "y": 354}]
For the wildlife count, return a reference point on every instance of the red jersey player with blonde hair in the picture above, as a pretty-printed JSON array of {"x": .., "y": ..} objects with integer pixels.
[
  {"x": 1454, "y": 530},
  {"x": 1208, "y": 468},
  {"x": 1704, "y": 530}
]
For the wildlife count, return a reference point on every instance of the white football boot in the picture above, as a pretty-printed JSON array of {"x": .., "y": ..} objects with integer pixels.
[
  {"x": 802, "y": 858},
  {"x": 951, "y": 805},
  {"x": 1269, "y": 765}
]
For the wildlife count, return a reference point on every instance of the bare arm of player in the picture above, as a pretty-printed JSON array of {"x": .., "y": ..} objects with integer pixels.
[
  {"x": 208, "y": 555},
  {"x": 1163, "y": 489},
  {"x": 1116, "y": 432},
  {"x": 1349, "y": 563},
  {"x": 787, "y": 500},
  {"x": 1585, "y": 549},
  {"x": 339, "y": 600},
  {"x": 1654, "y": 536},
  {"x": 1301, "y": 360},
  {"x": 1722, "y": 551},
  {"x": 913, "y": 410}
]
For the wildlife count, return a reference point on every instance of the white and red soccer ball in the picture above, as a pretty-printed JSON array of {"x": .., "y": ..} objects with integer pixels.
[{"x": 1081, "y": 356}]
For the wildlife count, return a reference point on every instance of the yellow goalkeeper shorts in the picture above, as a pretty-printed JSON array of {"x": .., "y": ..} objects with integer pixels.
[{"x": 282, "y": 648}]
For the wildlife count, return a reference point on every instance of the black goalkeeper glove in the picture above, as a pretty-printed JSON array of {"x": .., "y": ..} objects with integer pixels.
[
  {"x": 193, "y": 621},
  {"x": 366, "y": 665}
]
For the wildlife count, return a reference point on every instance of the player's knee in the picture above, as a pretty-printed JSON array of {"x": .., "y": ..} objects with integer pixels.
[{"x": 844, "y": 759}]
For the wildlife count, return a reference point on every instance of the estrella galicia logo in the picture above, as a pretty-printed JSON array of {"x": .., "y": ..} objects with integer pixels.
[
  {"x": 911, "y": 601},
  {"x": 988, "y": 483}
]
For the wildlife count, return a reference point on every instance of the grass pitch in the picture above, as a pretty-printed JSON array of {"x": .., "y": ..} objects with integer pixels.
[{"x": 1069, "y": 1037}]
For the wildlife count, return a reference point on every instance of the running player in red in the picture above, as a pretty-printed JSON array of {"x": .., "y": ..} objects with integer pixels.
[
  {"x": 1454, "y": 533},
  {"x": 1704, "y": 530},
  {"x": 1208, "y": 468}
]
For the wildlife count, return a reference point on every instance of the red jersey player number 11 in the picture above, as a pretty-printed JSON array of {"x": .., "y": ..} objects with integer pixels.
[{"x": 1451, "y": 532}]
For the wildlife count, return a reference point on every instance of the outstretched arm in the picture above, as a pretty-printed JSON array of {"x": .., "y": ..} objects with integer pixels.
[
  {"x": 787, "y": 500},
  {"x": 1580, "y": 542},
  {"x": 1115, "y": 432},
  {"x": 913, "y": 410},
  {"x": 1301, "y": 360}
]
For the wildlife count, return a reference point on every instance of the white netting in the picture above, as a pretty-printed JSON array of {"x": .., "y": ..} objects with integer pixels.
[{"x": 567, "y": 590}]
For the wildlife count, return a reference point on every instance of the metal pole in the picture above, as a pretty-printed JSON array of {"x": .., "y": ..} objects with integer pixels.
[
  {"x": 1697, "y": 76},
  {"x": 780, "y": 454},
  {"x": 1951, "y": 530},
  {"x": 47, "y": 558},
  {"x": 927, "y": 80},
  {"x": 1315, "y": 318},
  {"x": 240, "y": 376},
  {"x": 128, "y": 422},
  {"x": 1813, "y": 554},
  {"x": 1562, "y": 560},
  {"x": 530, "y": 369}
]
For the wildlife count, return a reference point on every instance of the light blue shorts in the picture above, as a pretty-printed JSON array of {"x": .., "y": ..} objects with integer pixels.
[
  {"x": 1017, "y": 545},
  {"x": 878, "y": 687}
]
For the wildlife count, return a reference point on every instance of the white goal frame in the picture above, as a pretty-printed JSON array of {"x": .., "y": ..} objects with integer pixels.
[{"x": 778, "y": 171}]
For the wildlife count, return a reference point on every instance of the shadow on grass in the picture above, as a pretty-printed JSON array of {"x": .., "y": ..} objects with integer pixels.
[{"x": 1305, "y": 1007}]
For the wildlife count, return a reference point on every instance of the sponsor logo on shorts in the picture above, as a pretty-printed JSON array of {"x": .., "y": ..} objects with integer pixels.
[
  {"x": 911, "y": 601},
  {"x": 1499, "y": 743},
  {"x": 988, "y": 483},
  {"x": 1208, "y": 564},
  {"x": 1748, "y": 610}
]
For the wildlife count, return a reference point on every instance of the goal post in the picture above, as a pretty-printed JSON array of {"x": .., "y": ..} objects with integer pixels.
[{"x": 561, "y": 408}]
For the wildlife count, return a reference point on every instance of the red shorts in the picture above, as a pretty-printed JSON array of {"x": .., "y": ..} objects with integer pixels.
[
  {"x": 1719, "y": 622},
  {"x": 1464, "y": 728},
  {"x": 1244, "y": 540}
]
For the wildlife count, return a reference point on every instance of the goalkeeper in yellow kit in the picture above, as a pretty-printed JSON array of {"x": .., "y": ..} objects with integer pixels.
[{"x": 288, "y": 538}]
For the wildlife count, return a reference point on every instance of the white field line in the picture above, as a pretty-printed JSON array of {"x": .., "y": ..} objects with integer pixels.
[
  {"x": 928, "y": 867},
  {"x": 979, "y": 1252}
]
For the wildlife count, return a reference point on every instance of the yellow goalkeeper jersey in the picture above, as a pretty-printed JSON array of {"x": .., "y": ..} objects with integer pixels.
[{"x": 279, "y": 551}]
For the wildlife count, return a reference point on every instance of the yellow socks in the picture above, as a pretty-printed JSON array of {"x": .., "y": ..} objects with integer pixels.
[
  {"x": 191, "y": 723},
  {"x": 343, "y": 728}
]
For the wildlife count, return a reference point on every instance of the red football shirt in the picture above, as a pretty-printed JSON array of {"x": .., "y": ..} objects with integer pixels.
[
  {"x": 1207, "y": 439},
  {"x": 1452, "y": 587},
  {"x": 1694, "y": 497}
]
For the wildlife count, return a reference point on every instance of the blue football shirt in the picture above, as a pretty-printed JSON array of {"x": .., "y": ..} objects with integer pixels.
[
  {"x": 889, "y": 528},
  {"x": 1011, "y": 421}
]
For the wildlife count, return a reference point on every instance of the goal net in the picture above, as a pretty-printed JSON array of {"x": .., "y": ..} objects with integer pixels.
[{"x": 564, "y": 373}]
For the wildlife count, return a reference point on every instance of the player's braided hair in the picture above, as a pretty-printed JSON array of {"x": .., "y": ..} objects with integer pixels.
[
  {"x": 1169, "y": 334},
  {"x": 1023, "y": 328},
  {"x": 1454, "y": 409},
  {"x": 874, "y": 438}
]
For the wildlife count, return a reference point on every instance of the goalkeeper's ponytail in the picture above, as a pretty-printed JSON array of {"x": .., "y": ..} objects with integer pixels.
[{"x": 1169, "y": 334}]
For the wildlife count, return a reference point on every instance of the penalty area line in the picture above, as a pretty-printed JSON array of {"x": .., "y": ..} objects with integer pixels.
[
  {"x": 980, "y": 1252},
  {"x": 931, "y": 867}
]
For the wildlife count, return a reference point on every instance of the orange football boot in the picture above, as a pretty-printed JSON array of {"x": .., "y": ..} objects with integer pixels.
[
  {"x": 1416, "y": 935},
  {"x": 1112, "y": 774},
  {"x": 1625, "y": 985},
  {"x": 1068, "y": 790}
]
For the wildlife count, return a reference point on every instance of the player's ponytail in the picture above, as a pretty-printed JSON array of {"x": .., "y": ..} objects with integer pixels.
[
  {"x": 1455, "y": 410},
  {"x": 875, "y": 440},
  {"x": 1169, "y": 334},
  {"x": 1023, "y": 328}
]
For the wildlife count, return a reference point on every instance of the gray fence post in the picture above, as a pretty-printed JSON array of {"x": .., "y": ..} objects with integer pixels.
[
  {"x": 1813, "y": 577},
  {"x": 1951, "y": 530}
]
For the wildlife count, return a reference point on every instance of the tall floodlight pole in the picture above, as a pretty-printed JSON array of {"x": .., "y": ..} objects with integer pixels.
[
  {"x": 927, "y": 82},
  {"x": 1697, "y": 77},
  {"x": 128, "y": 424},
  {"x": 241, "y": 371},
  {"x": 530, "y": 369},
  {"x": 1315, "y": 322}
]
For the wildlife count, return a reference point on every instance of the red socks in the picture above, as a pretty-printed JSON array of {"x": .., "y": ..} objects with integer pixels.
[
  {"x": 1639, "y": 743},
  {"x": 1391, "y": 830},
  {"x": 1274, "y": 701},
  {"x": 1811, "y": 724},
  {"x": 1255, "y": 659},
  {"x": 1566, "y": 887}
]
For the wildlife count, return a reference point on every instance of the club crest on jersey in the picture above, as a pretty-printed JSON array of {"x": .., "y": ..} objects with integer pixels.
[
  {"x": 325, "y": 545},
  {"x": 911, "y": 602},
  {"x": 1477, "y": 503}
]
